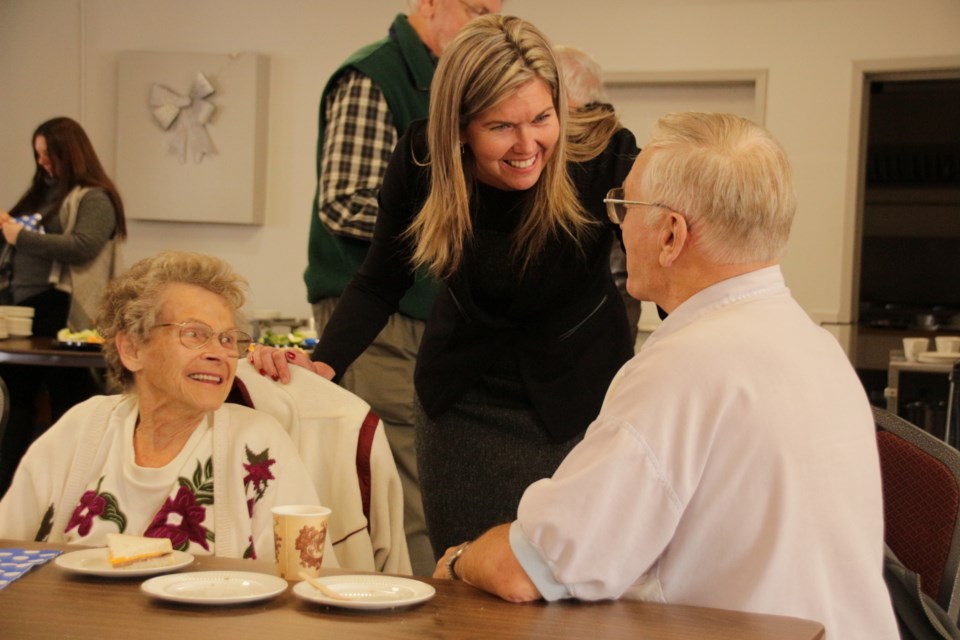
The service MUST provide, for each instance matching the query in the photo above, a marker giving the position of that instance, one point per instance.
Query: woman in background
(57, 253)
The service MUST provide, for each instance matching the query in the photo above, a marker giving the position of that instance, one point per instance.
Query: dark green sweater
(402, 68)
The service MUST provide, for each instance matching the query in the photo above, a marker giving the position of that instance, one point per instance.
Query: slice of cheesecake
(125, 550)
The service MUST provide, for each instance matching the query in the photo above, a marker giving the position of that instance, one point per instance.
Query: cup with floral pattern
(299, 537)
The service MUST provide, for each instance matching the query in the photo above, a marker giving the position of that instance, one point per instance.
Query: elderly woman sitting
(167, 458)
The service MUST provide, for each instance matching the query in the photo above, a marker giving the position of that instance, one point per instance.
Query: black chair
(921, 505)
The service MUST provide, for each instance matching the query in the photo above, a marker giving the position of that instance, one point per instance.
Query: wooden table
(48, 602)
(40, 351)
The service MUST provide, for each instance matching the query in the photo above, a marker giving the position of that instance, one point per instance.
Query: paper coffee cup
(948, 344)
(299, 536)
(913, 347)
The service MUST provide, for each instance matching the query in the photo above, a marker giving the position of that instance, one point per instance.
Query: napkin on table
(16, 562)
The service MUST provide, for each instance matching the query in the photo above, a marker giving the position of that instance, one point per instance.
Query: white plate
(96, 562)
(215, 587)
(367, 591)
(932, 357)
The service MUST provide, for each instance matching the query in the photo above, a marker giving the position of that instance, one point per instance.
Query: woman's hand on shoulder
(275, 363)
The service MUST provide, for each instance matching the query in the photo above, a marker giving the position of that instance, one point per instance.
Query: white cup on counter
(913, 347)
(948, 344)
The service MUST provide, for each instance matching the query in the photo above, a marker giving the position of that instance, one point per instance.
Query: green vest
(402, 69)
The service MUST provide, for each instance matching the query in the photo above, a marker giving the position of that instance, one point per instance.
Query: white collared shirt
(733, 465)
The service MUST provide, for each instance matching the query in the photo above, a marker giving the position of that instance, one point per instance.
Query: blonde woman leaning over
(527, 330)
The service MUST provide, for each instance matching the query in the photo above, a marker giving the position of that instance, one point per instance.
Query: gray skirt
(477, 458)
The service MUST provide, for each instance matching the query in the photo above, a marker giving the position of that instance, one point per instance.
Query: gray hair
(581, 76)
(729, 177)
(131, 302)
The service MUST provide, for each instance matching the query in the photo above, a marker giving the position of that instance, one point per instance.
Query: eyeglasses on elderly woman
(196, 335)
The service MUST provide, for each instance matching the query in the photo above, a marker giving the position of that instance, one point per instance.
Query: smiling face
(171, 377)
(40, 150)
(512, 141)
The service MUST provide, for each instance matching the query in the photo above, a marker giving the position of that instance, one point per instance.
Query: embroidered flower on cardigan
(258, 471)
(181, 520)
(256, 482)
(91, 505)
(94, 504)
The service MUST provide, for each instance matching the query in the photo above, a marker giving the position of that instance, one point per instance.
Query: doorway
(907, 264)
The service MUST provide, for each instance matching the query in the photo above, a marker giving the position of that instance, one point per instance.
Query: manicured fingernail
(275, 378)
(291, 355)
(262, 372)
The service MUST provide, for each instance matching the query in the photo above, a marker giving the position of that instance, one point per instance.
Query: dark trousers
(40, 395)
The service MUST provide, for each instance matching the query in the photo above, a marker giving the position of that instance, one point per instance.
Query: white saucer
(937, 357)
(215, 587)
(367, 591)
(96, 562)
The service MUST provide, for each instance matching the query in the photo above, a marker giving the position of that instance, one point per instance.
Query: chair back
(921, 505)
(344, 447)
(4, 408)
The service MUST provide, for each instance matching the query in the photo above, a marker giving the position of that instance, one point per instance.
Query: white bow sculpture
(189, 113)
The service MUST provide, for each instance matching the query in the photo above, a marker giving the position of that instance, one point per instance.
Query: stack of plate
(18, 320)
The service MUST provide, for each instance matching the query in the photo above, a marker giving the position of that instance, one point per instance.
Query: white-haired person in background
(593, 117)
(734, 461)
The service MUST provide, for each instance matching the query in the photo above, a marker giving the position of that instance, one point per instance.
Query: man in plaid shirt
(366, 106)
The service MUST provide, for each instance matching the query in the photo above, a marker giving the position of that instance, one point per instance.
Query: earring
(461, 147)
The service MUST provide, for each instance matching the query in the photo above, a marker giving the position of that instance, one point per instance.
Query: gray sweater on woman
(36, 252)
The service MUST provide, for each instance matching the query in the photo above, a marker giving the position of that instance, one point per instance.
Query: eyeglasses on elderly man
(617, 206)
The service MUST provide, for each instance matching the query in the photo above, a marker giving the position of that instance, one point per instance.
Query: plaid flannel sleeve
(359, 138)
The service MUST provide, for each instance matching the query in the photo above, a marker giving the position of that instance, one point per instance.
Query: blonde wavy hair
(491, 58)
(131, 302)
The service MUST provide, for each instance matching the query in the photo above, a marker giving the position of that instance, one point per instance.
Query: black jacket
(562, 321)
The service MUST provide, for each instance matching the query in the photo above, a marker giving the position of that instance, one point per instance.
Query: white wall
(59, 57)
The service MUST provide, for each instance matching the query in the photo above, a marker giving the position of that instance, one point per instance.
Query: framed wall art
(192, 136)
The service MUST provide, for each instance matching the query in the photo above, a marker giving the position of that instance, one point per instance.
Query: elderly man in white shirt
(734, 461)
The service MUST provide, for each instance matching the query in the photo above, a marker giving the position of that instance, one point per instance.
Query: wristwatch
(452, 562)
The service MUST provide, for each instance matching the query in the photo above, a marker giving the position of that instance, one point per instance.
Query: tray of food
(87, 340)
